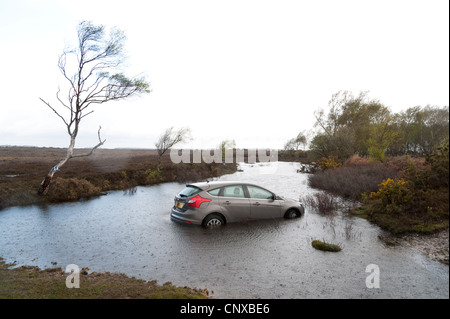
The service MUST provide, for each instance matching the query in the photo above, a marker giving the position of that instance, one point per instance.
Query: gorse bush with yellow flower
(330, 162)
(418, 201)
(392, 192)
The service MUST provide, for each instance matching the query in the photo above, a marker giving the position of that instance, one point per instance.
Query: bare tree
(169, 139)
(294, 143)
(88, 69)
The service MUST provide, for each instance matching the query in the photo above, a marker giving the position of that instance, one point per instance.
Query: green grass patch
(321, 245)
(28, 282)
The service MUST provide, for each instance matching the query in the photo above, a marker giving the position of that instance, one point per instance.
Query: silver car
(218, 203)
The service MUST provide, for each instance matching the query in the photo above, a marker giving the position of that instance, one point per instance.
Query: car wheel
(291, 213)
(213, 220)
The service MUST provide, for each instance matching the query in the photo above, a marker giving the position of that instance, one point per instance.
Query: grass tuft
(324, 203)
(321, 245)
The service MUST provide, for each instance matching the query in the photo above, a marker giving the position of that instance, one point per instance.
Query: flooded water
(133, 234)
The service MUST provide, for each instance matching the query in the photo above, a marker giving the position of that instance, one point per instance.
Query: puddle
(133, 234)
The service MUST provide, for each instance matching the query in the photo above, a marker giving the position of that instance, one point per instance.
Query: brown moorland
(23, 168)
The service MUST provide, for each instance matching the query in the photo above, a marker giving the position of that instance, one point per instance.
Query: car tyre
(213, 220)
(291, 213)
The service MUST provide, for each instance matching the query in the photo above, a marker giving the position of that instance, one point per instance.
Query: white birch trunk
(43, 187)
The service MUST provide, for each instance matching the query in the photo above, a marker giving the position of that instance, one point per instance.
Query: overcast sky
(252, 71)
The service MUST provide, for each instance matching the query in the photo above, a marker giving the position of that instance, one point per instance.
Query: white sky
(252, 71)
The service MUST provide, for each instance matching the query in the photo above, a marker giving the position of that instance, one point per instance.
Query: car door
(234, 204)
(262, 203)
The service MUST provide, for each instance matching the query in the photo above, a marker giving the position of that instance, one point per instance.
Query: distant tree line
(357, 124)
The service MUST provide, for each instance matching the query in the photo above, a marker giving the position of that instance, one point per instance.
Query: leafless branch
(60, 116)
(57, 96)
(95, 147)
(82, 116)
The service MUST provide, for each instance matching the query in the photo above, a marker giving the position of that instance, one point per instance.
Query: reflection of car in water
(218, 203)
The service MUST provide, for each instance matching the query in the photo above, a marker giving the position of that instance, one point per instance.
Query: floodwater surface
(133, 234)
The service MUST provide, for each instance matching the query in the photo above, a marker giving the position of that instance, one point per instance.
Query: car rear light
(197, 201)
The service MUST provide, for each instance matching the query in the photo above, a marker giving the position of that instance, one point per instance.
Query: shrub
(352, 180)
(324, 203)
(376, 153)
(152, 175)
(418, 202)
(355, 160)
(330, 162)
(437, 174)
(400, 164)
(66, 189)
(393, 193)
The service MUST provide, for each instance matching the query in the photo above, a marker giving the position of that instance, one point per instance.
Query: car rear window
(189, 191)
(214, 192)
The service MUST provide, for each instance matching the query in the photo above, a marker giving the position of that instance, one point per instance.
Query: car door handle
(227, 202)
(257, 204)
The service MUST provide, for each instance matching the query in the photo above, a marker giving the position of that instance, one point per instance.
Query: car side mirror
(274, 197)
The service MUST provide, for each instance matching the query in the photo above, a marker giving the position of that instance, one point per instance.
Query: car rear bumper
(184, 218)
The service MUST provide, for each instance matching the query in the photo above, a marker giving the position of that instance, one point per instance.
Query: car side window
(214, 192)
(259, 193)
(233, 191)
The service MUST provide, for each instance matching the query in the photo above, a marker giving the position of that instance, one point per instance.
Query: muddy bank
(434, 246)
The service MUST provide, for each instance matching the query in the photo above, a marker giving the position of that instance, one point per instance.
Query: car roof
(216, 184)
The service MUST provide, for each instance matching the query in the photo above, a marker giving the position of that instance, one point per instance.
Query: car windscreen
(189, 191)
